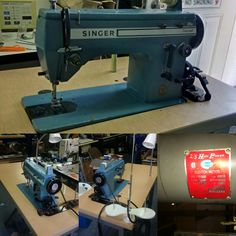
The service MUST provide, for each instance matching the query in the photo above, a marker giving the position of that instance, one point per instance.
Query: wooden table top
(142, 184)
(59, 224)
(218, 113)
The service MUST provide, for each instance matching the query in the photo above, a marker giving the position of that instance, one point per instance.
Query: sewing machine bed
(112, 101)
(40, 207)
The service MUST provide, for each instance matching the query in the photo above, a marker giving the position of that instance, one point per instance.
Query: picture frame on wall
(201, 3)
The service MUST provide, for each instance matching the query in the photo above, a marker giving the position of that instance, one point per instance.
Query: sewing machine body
(42, 184)
(154, 41)
(108, 180)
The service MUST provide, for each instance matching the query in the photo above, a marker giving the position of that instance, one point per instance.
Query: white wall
(229, 75)
(203, 55)
(212, 54)
(228, 10)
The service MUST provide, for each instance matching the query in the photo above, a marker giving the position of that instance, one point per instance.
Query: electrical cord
(128, 214)
(189, 90)
(67, 204)
(63, 196)
(100, 233)
(74, 212)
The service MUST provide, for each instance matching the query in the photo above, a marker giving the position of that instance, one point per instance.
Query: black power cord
(100, 233)
(189, 90)
(128, 213)
(69, 204)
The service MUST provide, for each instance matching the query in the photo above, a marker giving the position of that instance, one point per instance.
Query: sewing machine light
(54, 138)
(150, 141)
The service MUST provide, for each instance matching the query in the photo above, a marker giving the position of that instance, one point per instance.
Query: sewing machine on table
(157, 41)
(108, 180)
(41, 187)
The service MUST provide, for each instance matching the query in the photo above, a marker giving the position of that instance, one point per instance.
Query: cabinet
(230, 65)
(213, 55)
(6, 204)
(202, 57)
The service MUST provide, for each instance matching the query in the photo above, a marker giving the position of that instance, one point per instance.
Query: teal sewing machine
(108, 181)
(157, 42)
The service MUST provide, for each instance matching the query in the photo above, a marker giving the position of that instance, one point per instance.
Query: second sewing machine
(157, 42)
(108, 181)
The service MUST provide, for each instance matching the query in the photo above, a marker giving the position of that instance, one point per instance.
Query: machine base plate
(96, 198)
(88, 106)
(41, 207)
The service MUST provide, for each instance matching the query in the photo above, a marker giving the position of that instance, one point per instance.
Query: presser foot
(56, 103)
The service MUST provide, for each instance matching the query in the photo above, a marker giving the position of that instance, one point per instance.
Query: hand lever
(169, 48)
(66, 26)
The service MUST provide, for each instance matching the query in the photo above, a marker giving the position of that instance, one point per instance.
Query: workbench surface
(216, 114)
(141, 187)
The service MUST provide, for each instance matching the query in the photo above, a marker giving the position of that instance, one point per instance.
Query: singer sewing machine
(157, 42)
(41, 186)
(108, 180)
